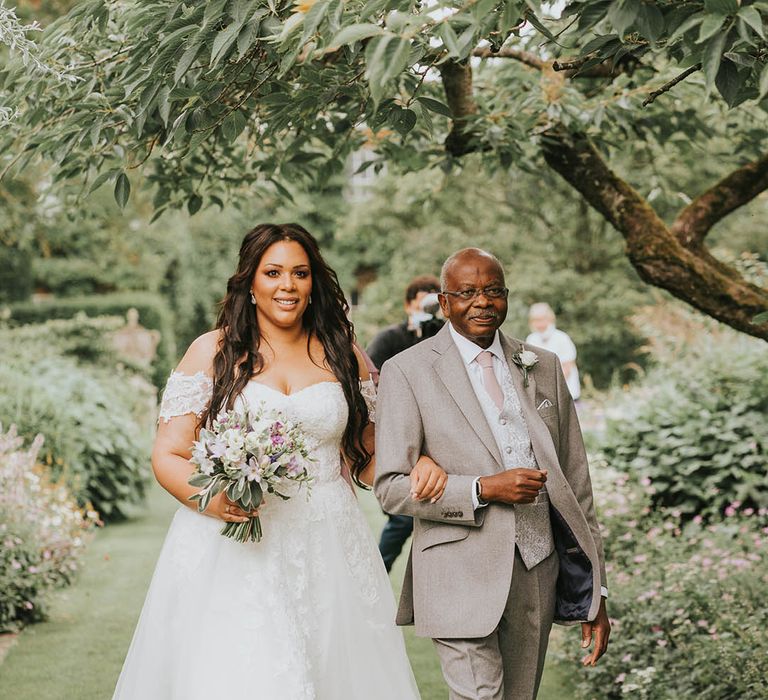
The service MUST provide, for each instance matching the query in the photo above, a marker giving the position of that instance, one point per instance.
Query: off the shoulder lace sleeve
(368, 390)
(185, 393)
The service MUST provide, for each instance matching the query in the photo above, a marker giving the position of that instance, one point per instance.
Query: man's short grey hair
(460, 254)
(541, 309)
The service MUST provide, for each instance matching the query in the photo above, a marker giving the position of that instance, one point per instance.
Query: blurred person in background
(421, 306)
(544, 334)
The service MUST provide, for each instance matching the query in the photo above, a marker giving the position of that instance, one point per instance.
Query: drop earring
(253, 298)
(310, 300)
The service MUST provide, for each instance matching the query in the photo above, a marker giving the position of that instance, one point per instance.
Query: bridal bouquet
(248, 455)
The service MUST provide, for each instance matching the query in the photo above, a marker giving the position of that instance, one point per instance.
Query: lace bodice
(320, 408)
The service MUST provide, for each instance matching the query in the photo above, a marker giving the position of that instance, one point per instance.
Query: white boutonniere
(526, 361)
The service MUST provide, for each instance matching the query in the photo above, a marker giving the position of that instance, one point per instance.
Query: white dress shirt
(469, 352)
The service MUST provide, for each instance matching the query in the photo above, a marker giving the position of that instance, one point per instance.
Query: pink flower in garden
(730, 511)
(15, 565)
(748, 511)
(661, 642)
(621, 678)
(626, 658)
(28, 605)
(698, 519)
(645, 481)
(702, 623)
(706, 562)
(640, 558)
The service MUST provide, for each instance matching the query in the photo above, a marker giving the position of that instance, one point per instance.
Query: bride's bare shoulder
(200, 354)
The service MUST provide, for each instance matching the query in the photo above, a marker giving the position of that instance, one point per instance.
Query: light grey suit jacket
(460, 567)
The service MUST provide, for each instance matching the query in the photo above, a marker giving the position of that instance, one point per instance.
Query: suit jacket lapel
(452, 372)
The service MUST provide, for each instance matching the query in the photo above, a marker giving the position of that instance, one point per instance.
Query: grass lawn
(78, 653)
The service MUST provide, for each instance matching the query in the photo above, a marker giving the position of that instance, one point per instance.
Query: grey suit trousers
(507, 664)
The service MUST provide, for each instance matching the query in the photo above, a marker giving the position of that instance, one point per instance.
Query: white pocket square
(546, 403)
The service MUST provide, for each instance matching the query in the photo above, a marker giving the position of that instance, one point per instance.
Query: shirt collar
(469, 350)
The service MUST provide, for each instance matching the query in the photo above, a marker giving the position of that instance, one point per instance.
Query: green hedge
(16, 277)
(92, 423)
(153, 313)
(697, 429)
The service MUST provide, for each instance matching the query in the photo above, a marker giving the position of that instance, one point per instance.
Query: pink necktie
(491, 384)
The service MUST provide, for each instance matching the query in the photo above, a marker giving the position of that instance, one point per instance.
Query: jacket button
(461, 513)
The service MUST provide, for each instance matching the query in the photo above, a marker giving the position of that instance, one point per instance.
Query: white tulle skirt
(305, 614)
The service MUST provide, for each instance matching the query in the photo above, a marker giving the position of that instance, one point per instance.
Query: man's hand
(600, 630)
(513, 486)
(428, 480)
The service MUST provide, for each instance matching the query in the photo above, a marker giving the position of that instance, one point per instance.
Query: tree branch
(657, 254)
(526, 57)
(668, 86)
(607, 69)
(733, 191)
(457, 82)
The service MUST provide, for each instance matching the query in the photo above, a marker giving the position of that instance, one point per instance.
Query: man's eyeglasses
(471, 294)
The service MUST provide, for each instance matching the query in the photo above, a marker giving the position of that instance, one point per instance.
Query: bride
(307, 613)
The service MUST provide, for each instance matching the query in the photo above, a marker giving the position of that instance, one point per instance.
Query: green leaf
(122, 190)
(224, 40)
(164, 104)
(186, 60)
(450, 40)
(436, 106)
(760, 318)
(650, 22)
(763, 84)
(722, 7)
(313, 18)
(728, 82)
(713, 53)
(536, 23)
(233, 125)
(753, 18)
(194, 203)
(355, 32)
(710, 26)
(687, 25)
(103, 177)
(404, 121)
(622, 14)
(201, 480)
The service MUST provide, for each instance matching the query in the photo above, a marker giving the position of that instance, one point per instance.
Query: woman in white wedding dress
(307, 613)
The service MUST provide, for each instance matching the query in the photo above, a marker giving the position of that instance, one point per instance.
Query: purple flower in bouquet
(249, 456)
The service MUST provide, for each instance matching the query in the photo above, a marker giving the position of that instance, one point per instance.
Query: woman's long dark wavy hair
(238, 359)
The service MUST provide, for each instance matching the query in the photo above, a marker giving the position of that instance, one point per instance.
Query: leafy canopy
(215, 96)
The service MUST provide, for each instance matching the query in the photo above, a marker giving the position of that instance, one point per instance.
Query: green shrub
(697, 429)
(16, 278)
(92, 426)
(153, 313)
(687, 602)
(81, 337)
(42, 530)
(69, 276)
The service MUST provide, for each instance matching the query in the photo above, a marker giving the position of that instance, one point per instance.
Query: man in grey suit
(512, 544)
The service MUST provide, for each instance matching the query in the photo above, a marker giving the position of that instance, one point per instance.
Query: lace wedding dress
(305, 614)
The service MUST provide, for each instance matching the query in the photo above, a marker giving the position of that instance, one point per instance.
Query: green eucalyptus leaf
(122, 190)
